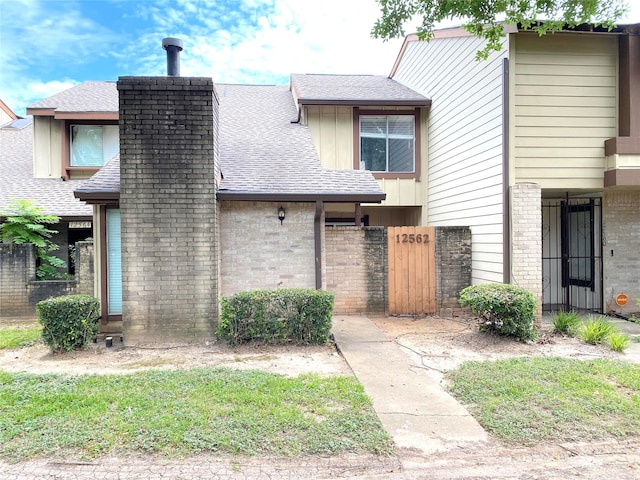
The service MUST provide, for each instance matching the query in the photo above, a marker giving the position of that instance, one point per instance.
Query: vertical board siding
(412, 270)
(565, 100)
(465, 141)
(331, 129)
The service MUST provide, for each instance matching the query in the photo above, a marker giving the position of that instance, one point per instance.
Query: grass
(19, 336)
(533, 400)
(182, 413)
(595, 330)
(566, 322)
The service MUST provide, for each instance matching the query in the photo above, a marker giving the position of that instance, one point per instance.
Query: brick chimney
(168, 209)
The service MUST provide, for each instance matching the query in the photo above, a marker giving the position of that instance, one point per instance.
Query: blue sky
(50, 45)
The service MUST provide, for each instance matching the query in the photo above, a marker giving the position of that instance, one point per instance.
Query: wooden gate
(412, 270)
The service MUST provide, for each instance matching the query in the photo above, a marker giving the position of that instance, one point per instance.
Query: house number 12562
(412, 238)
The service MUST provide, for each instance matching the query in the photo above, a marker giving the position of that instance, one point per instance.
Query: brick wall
(17, 269)
(526, 239)
(168, 209)
(356, 268)
(453, 267)
(20, 292)
(622, 237)
(257, 252)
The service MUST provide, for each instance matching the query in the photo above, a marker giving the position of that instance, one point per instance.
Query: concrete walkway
(413, 407)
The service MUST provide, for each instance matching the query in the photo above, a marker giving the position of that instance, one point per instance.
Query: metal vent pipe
(173, 46)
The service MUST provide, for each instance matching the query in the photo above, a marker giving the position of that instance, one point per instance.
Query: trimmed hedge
(503, 309)
(69, 322)
(286, 315)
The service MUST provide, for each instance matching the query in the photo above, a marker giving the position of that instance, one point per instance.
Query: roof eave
(97, 198)
(71, 115)
(368, 103)
(301, 197)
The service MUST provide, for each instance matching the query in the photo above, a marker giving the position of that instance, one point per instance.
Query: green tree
(485, 18)
(25, 223)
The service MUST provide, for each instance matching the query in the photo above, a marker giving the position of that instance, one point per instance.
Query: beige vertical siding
(331, 128)
(565, 98)
(47, 147)
(465, 141)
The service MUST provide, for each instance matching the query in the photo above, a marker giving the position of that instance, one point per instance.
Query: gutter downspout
(317, 231)
(506, 204)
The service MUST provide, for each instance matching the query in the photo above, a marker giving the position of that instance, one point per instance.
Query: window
(93, 145)
(387, 143)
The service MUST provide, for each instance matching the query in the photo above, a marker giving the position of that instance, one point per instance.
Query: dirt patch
(288, 360)
(442, 344)
(435, 343)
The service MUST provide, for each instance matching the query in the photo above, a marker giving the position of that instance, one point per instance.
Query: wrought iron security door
(572, 254)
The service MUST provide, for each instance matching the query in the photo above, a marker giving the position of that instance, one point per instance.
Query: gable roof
(357, 90)
(17, 181)
(264, 154)
(96, 100)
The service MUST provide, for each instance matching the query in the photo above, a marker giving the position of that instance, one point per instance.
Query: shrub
(25, 223)
(285, 315)
(595, 330)
(68, 322)
(566, 322)
(503, 309)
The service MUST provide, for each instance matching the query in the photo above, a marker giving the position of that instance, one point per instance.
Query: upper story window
(93, 145)
(388, 142)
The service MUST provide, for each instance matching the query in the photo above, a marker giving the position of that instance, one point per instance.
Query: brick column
(168, 209)
(453, 267)
(526, 240)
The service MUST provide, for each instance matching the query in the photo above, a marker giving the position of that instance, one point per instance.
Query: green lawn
(182, 413)
(16, 336)
(532, 400)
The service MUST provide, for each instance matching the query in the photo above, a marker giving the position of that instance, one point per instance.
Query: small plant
(566, 322)
(618, 341)
(504, 309)
(595, 330)
(25, 223)
(69, 322)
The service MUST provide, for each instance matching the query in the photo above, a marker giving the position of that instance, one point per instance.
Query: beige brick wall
(526, 239)
(621, 250)
(257, 252)
(356, 272)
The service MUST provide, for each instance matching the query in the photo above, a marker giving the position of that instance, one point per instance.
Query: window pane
(401, 125)
(86, 146)
(373, 154)
(375, 126)
(400, 155)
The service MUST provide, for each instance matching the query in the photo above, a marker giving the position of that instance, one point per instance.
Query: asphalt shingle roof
(16, 178)
(264, 150)
(366, 89)
(88, 97)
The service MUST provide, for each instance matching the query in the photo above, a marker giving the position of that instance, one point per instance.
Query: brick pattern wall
(622, 236)
(168, 209)
(453, 267)
(356, 269)
(84, 268)
(526, 239)
(17, 269)
(257, 252)
(20, 292)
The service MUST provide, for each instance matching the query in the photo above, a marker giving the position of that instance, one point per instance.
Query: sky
(47, 46)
